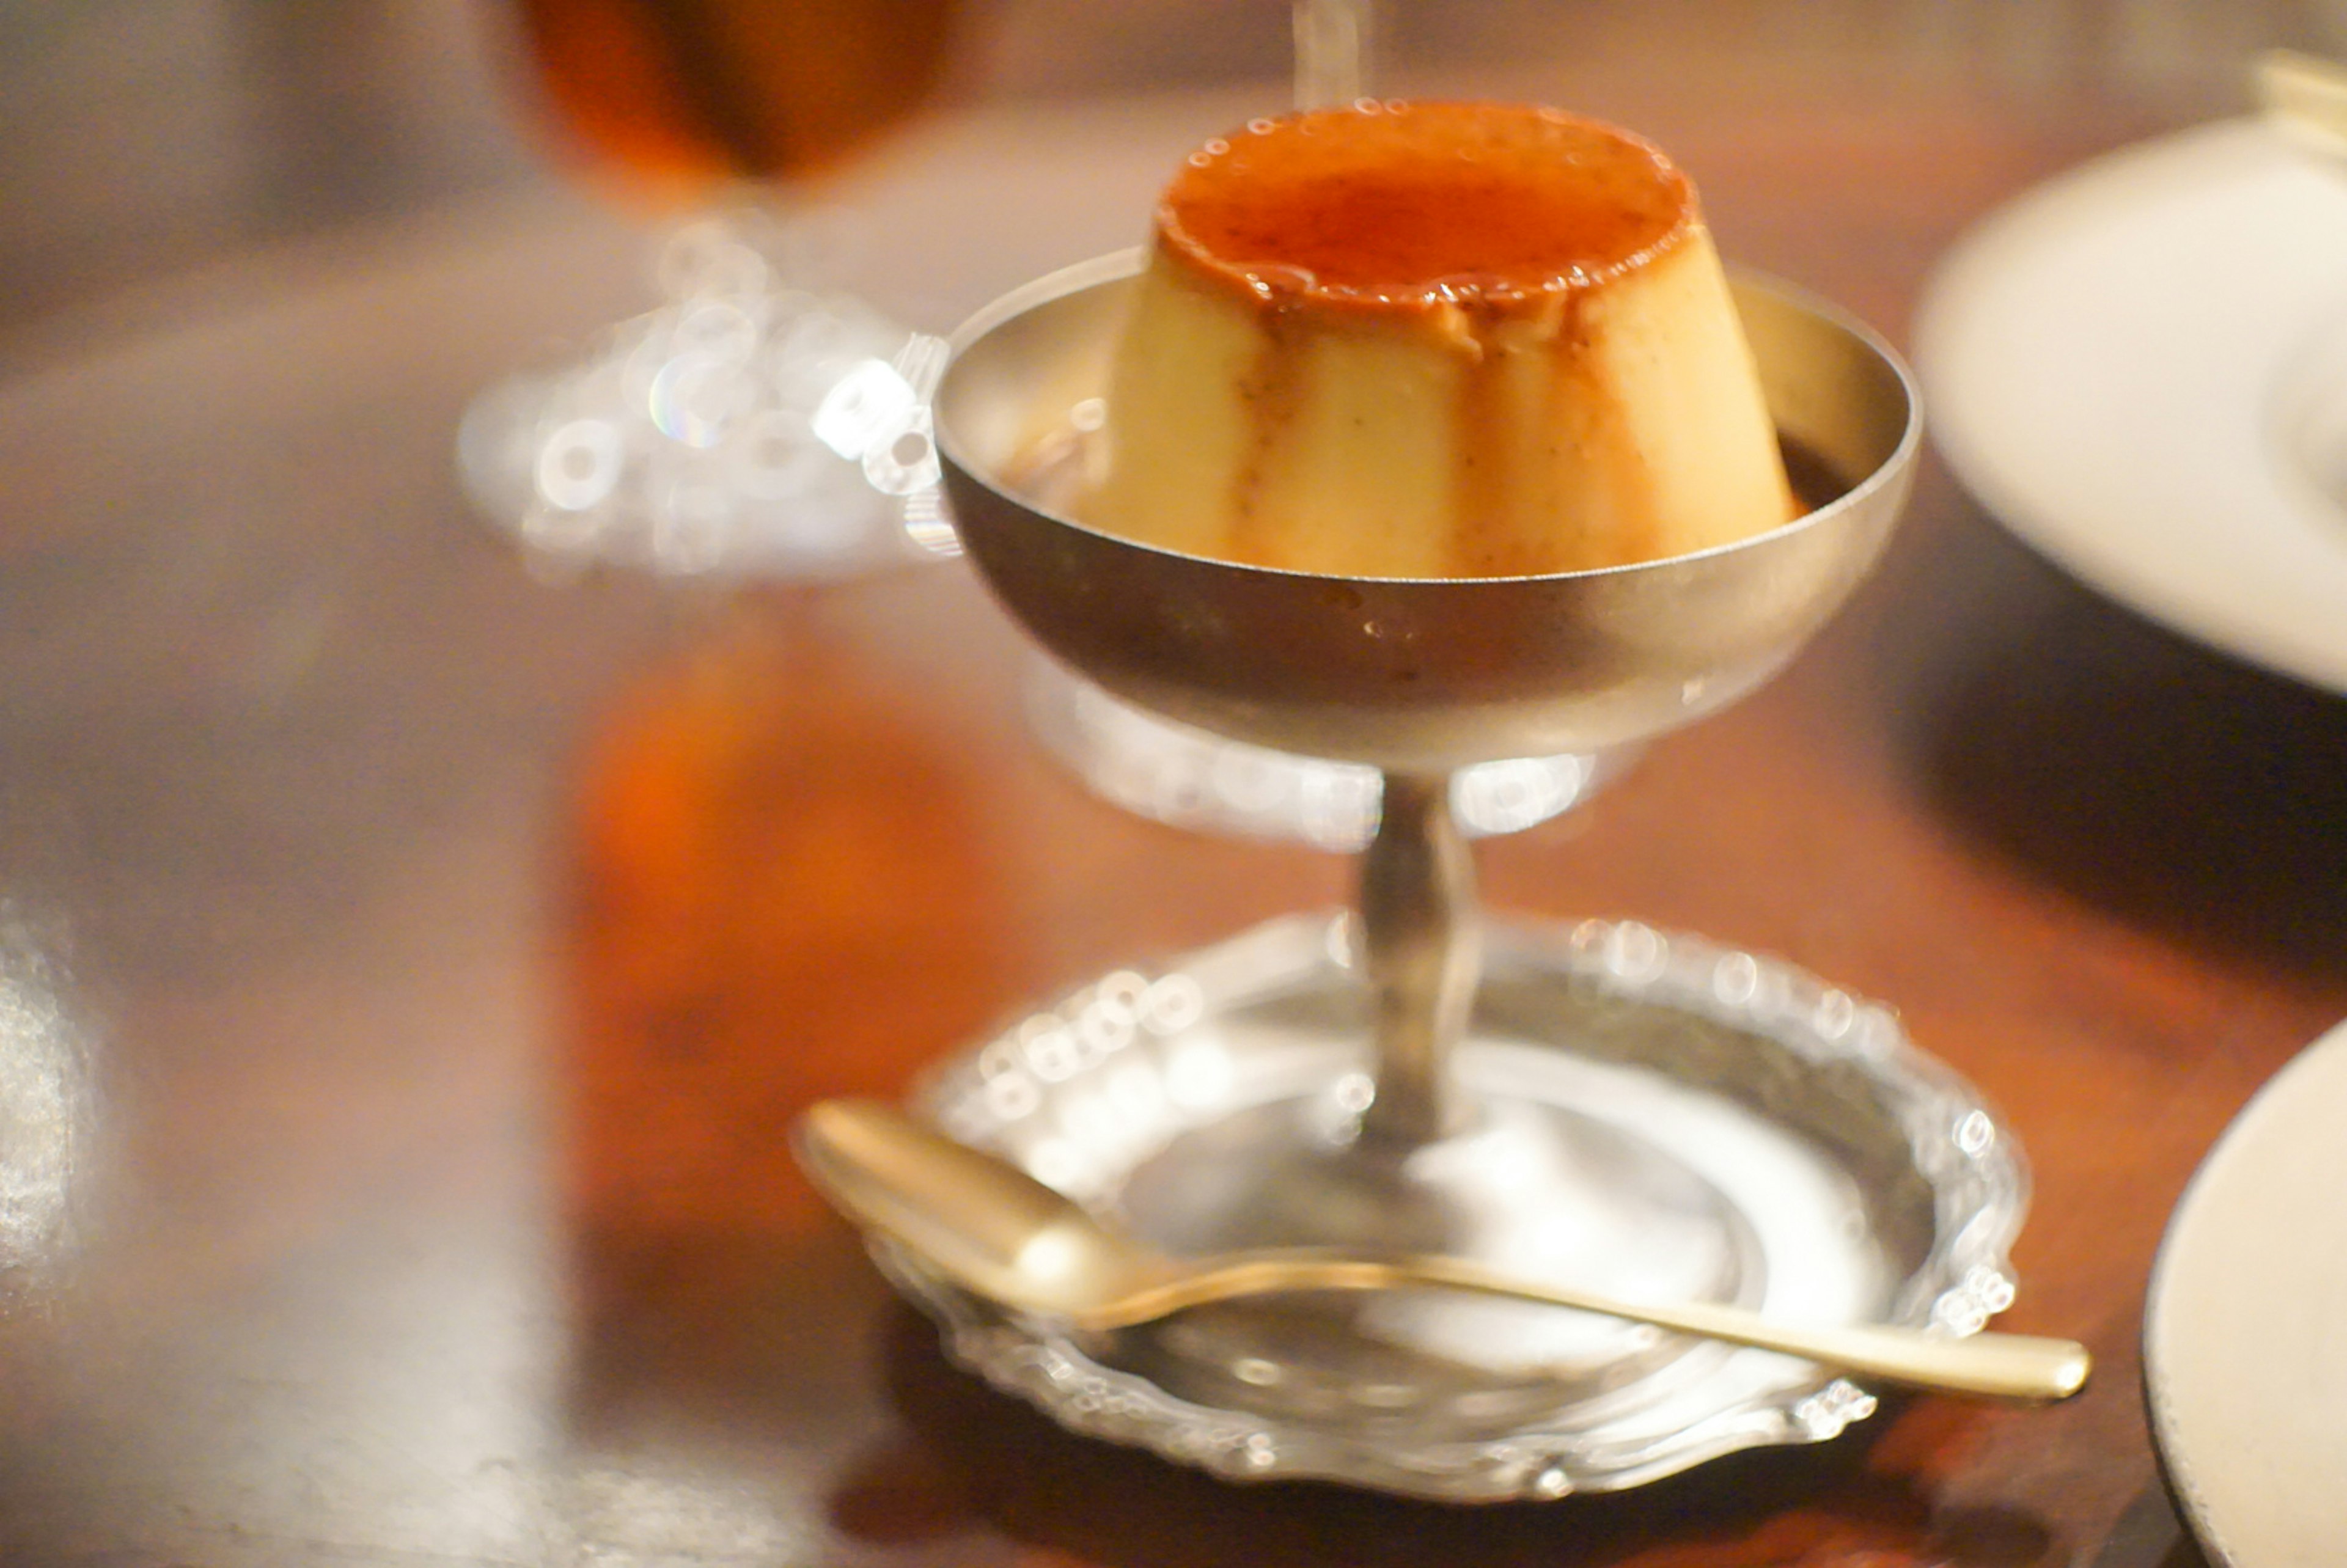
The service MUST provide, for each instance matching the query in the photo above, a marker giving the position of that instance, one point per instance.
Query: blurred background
(143, 139)
(454, 934)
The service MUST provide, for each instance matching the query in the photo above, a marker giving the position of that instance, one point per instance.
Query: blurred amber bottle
(674, 95)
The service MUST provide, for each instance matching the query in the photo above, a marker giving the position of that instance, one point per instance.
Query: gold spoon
(998, 1233)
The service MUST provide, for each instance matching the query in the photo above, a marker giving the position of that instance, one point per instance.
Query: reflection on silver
(754, 425)
(1848, 1177)
(44, 1109)
(1187, 777)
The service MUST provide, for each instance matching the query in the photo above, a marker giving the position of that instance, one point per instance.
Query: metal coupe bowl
(1417, 674)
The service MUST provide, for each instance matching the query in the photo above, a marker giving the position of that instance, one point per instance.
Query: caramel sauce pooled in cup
(1434, 340)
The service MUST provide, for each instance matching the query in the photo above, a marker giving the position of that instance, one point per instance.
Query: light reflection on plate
(2141, 369)
(2245, 1336)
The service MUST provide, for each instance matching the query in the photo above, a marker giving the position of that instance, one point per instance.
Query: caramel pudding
(1425, 340)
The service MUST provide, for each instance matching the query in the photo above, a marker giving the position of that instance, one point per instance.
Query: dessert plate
(1764, 1138)
(2245, 1344)
(2141, 369)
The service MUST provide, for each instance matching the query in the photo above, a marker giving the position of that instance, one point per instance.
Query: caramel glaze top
(1404, 207)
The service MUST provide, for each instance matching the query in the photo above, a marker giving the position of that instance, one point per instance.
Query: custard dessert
(1425, 340)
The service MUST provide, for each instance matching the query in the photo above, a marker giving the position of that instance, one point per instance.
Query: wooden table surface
(409, 966)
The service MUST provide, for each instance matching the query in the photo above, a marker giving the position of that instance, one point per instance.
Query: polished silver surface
(1188, 778)
(1420, 675)
(1744, 1133)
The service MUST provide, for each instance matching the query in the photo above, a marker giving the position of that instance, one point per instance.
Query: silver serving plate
(1760, 1137)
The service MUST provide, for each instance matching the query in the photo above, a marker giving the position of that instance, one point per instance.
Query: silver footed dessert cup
(1631, 1117)
(1417, 677)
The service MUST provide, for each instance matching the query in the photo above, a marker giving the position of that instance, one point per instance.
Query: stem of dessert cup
(1422, 945)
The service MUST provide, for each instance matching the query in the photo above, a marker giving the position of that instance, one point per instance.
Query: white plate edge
(2158, 1404)
(1974, 267)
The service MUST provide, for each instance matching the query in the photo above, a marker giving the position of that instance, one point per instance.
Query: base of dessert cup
(1655, 1115)
(1188, 778)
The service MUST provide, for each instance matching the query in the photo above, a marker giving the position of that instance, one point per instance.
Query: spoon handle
(2022, 1369)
